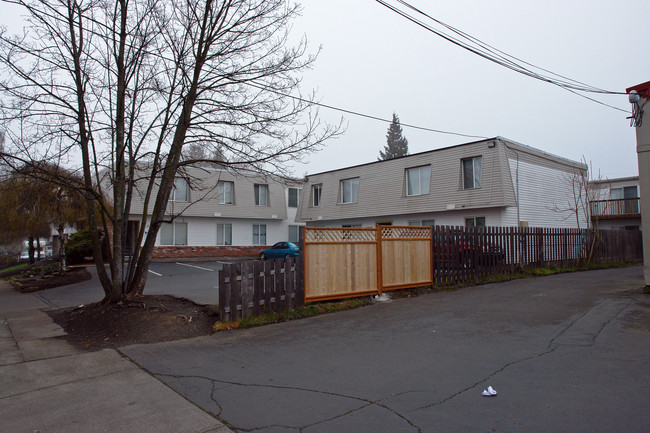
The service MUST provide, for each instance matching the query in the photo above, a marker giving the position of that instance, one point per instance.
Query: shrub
(7, 260)
(78, 247)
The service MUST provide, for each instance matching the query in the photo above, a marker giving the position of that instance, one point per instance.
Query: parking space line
(155, 273)
(194, 266)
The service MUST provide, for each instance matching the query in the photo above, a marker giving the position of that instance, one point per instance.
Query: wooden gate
(348, 262)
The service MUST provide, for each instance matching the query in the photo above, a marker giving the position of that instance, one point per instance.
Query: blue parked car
(280, 250)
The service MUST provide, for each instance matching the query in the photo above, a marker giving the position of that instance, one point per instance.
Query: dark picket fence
(256, 287)
(465, 255)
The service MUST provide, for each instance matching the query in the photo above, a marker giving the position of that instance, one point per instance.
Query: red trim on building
(642, 89)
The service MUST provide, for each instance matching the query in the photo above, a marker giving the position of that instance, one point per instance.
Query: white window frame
(257, 237)
(177, 187)
(474, 221)
(226, 192)
(619, 193)
(297, 193)
(423, 175)
(177, 228)
(477, 172)
(422, 223)
(261, 198)
(316, 194)
(224, 234)
(295, 236)
(349, 190)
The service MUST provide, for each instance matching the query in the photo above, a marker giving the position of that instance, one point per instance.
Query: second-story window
(349, 190)
(261, 195)
(418, 180)
(181, 190)
(315, 194)
(472, 168)
(225, 192)
(294, 196)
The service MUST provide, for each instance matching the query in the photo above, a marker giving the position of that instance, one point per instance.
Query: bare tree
(579, 205)
(119, 87)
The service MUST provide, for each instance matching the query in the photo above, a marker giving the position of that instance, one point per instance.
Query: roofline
(616, 179)
(544, 154)
(522, 147)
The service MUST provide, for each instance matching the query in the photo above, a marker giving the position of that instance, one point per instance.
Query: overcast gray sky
(375, 62)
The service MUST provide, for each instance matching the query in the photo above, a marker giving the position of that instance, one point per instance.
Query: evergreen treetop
(396, 144)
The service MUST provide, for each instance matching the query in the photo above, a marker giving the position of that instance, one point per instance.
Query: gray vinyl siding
(203, 200)
(382, 186)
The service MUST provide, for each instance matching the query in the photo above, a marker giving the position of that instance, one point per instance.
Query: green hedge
(78, 247)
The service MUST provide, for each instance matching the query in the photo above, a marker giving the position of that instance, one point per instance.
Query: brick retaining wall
(186, 252)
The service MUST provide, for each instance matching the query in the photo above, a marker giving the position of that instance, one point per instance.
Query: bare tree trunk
(30, 249)
(63, 266)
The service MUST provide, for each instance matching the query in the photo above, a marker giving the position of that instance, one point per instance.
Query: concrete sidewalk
(50, 386)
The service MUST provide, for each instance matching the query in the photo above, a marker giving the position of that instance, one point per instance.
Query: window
(349, 190)
(173, 234)
(261, 195)
(475, 222)
(624, 206)
(418, 180)
(224, 234)
(422, 223)
(224, 192)
(180, 191)
(259, 234)
(626, 192)
(315, 194)
(294, 234)
(351, 226)
(294, 197)
(472, 172)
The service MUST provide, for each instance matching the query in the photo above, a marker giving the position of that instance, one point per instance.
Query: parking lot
(194, 280)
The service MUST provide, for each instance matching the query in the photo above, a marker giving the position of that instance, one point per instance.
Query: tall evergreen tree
(396, 144)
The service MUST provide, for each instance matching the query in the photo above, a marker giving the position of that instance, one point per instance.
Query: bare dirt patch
(144, 320)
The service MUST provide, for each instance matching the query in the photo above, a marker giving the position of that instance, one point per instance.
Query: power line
(356, 113)
(488, 52)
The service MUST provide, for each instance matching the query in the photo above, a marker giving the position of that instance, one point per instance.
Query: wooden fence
(347, 262)
(338, 263)
(252, 288)
(465, 255)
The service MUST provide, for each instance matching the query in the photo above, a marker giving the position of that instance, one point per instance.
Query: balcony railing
(613, 209)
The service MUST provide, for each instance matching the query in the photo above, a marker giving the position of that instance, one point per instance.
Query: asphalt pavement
(564, 353)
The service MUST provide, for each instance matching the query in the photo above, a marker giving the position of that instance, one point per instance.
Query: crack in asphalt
(367, 402)
(213, 398)
(550, 348)
(552, 345)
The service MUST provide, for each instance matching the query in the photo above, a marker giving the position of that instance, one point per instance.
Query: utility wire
(480, 48)
(356, 113)
(505, 56)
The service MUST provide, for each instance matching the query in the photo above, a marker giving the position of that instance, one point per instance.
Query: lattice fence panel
(389, 232)
(339, 235)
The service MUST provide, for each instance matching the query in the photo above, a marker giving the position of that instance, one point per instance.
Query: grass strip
(308, 310)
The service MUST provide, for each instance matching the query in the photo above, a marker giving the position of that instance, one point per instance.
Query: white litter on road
(489, 392)
(383, 298)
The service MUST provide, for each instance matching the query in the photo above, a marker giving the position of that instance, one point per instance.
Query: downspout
(517, 180)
